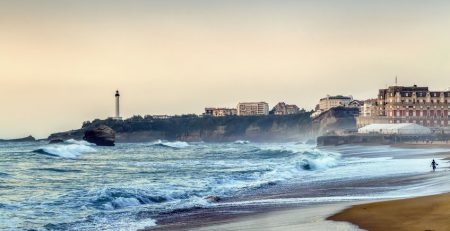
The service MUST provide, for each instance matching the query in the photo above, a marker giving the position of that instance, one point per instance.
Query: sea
(78, 186)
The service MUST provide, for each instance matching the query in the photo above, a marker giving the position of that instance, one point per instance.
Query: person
(433, 165)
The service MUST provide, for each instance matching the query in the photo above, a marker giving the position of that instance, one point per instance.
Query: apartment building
(220, 112)
(252, 109)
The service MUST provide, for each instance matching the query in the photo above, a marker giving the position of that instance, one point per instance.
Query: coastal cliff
(338, 118)
(193, 128)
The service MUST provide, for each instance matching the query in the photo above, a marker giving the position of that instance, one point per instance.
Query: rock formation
(56, 141)
(101, 136)
(338, 118)
(25, 139)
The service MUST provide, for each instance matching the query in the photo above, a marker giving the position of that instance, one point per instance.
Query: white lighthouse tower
(117, 116)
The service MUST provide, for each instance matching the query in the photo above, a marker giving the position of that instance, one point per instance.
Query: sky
(61, 61)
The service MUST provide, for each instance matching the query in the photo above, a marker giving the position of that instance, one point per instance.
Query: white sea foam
(175, 144)
(79, 142)
(66, 151)
(241, 142)
(122, 202)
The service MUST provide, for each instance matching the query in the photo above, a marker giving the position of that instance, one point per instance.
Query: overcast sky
(61, 61)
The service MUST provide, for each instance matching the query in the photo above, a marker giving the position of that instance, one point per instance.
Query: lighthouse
(117, 116)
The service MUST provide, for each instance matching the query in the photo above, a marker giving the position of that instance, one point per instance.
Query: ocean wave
(2, 174)
(65, 151)
(318, 160)
(175, 144)
(79, 142)
(241, 142)
(117, 198)
(56, 170)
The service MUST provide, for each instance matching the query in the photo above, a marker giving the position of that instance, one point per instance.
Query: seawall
(378, 139)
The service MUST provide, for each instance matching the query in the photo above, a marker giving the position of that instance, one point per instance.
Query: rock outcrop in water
(101, 136)
(25, 139)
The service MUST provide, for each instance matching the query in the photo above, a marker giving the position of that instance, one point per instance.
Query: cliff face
(208, 129)
(339, 118)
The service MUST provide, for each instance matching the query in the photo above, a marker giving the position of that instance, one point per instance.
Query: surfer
(434, 164)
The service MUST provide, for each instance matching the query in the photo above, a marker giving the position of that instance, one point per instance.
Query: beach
(411, 212)
(421, 213)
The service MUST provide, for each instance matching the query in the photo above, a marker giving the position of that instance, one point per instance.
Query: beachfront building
(329, 102)
(397, 129)
(368, 108)
(285, 109)
(400, 104)
(220, 112)
(253, 109)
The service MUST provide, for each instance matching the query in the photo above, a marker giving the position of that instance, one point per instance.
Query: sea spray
(79, 142)
(65, 151)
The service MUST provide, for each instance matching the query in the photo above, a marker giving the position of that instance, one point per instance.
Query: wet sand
(421, 213)
(289, 220)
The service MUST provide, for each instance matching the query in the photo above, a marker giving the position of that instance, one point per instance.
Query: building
(117, 115)
(356, 104)
(285, 109)
(329, 102)
(399, 104)
(220, 112)
(398, 129)
(368, 108)
(334, 101)
(161, 117)
(252, 109)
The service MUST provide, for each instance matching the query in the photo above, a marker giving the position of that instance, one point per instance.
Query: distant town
(393, 105)
(396, 114)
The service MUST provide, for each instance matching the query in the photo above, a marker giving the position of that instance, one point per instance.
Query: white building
(252, 109)
(329, 102)
(402, 129)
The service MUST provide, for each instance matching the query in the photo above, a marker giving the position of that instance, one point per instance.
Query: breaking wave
(175, 144)
(318, 160)
(241, 142)
(117, 198)
(79, 142)
(65, 151)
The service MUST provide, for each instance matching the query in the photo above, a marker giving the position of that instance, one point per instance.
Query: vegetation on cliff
(178, 127)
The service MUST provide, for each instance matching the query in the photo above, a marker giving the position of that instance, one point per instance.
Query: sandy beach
(422, 213)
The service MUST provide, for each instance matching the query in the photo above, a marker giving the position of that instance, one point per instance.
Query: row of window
(423, 122)
(398, 100)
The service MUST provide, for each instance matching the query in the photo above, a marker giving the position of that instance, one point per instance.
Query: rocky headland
(192, 128)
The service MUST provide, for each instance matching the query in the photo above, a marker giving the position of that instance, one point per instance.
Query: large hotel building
(399, 104)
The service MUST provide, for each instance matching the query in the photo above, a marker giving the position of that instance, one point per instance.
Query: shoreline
(320, 216)
(418, 213)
